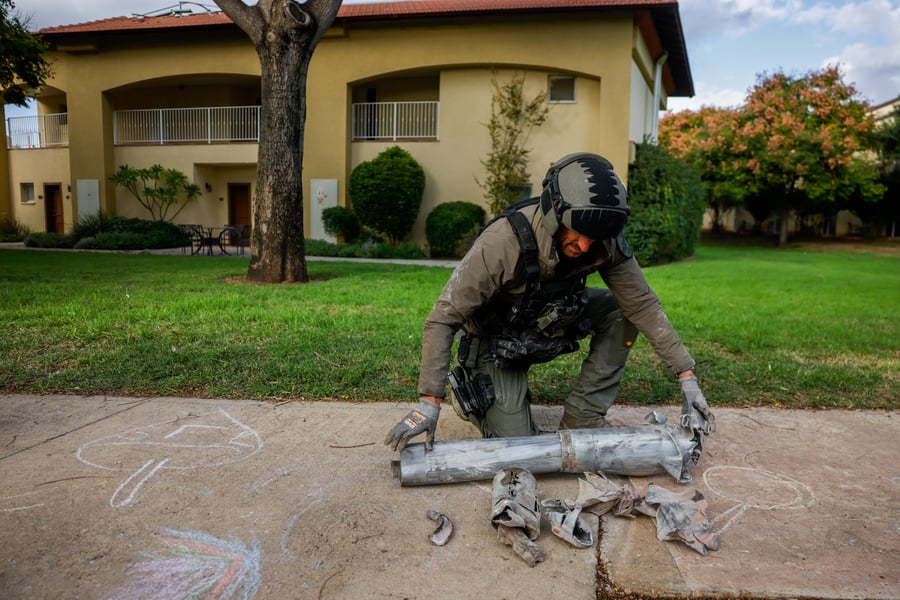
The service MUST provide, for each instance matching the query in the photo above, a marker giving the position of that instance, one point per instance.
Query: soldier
(518, 298)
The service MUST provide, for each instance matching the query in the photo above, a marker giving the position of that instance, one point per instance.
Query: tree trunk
(783, 216)
(277, 251)
(284, 33)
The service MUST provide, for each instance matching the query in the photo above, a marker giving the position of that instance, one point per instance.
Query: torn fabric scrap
(680, 516)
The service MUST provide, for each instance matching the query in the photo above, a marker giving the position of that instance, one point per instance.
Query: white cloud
(875, 71)
(735, 40)
(707, 95)
(713, 17)
(872, 17)
(873, 64)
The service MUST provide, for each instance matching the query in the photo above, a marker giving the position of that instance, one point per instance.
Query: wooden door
(239, 207)
(53, 208)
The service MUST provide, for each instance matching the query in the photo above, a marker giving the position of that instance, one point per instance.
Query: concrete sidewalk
(107, 497)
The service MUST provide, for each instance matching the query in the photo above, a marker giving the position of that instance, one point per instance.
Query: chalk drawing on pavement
(312, 483)
(19, 505)
(755, 488)
(216, 439)
(191, 564)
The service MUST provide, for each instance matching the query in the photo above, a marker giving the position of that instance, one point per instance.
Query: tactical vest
(545, 321)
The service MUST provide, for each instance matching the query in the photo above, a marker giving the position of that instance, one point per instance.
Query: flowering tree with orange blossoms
(796, 142)
(706, 139)
(792, 147)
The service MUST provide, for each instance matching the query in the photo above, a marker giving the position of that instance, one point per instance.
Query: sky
(730, 42)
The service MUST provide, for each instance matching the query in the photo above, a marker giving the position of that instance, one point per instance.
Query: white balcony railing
(395, 120)
(370, 121)
(187, 125)
(38, 131)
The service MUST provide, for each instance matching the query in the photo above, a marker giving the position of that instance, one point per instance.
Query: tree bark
(783, 215)
(284, 33)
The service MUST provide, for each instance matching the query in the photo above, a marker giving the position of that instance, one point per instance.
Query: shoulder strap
(528, 250)
(527, 247)
(509, 209)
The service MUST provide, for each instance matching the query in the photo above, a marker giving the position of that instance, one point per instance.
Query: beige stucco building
(183, 92)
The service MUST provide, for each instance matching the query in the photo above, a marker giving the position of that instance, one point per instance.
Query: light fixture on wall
(208, 187)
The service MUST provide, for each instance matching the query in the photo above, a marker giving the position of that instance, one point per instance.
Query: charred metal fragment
(441, 535)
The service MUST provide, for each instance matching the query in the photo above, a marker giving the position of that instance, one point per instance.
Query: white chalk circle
(755, 488)
(758, 488)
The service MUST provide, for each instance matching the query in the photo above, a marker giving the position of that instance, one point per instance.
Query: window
(560, 88)
(27, 193)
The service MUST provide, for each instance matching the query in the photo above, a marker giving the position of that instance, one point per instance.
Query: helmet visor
(596, 223)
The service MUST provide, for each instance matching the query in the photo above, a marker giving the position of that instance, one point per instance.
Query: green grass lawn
(788, 327)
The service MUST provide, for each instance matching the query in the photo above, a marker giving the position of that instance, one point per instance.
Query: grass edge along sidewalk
(769, 327)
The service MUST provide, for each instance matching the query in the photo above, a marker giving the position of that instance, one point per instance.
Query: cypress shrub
(667, 202)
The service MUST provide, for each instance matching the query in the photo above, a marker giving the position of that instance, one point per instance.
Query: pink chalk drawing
(209, 441)
(190, 564)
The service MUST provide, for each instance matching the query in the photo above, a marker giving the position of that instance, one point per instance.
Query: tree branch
(323, 12)
(248, 18)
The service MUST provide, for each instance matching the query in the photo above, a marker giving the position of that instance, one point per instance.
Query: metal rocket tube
(637, 451)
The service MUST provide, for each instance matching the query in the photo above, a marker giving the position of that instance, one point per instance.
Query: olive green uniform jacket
(493, 271)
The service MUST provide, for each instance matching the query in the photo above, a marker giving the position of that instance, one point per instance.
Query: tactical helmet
(582, 192)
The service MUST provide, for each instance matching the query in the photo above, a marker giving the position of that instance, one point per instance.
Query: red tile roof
(429, 7)
(132, 23)
(407, 8)
(665, 17)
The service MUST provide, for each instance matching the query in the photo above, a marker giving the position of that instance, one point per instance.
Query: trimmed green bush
(122, 240)
(387, 193)
(154, 234)
(363, 249)
(451, 227)
(667, 204)
(42, 239)
(320, 248)
(341, 222)
(112, 233)
(86, 243)
(408, 250)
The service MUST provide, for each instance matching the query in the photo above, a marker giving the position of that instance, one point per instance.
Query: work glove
(423, 417)
(692, 398)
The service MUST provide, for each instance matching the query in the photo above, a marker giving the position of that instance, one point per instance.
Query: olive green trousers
(594, 389)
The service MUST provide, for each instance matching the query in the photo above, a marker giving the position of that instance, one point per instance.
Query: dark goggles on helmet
(595, 223)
